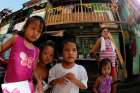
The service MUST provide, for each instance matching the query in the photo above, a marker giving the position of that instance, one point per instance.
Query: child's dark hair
(104, 62)
(47, 43)
(68, 40)
(34, 18)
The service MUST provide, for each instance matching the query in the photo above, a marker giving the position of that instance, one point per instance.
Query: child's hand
(39, 85)
(73, 79)
(70, 76)
(63, 81)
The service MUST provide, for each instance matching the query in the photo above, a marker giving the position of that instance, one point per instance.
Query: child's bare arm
(73, 79)
(39, 86)
(37, 81)
(95, 47)
(96, 85)
(95, 90)
(7, 44)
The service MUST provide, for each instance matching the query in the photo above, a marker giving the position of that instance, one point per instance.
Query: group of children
(65, 77)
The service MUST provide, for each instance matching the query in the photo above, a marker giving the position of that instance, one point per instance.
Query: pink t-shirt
(22, 62)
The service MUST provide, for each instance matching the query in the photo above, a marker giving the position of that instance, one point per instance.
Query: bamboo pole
(117, 50)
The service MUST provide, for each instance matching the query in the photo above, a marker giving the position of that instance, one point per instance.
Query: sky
(13, 5)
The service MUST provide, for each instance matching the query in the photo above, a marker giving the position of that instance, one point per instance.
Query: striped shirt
(108, 53)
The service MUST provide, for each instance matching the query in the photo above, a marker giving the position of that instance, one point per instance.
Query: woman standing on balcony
(107, 50)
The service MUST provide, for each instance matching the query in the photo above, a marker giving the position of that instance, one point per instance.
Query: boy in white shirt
(68, 77)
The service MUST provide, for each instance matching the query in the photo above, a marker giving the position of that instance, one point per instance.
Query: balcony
(80, 13)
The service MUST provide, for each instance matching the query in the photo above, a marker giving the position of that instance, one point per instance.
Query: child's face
(69, 52)
(47, 55)
(105, 33)
(33, 32)
(106, 69)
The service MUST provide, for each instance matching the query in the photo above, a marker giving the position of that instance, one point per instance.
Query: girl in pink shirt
(23, 53)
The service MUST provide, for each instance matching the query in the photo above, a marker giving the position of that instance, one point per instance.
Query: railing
(79, 13)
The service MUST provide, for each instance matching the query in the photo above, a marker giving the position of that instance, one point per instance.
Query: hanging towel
(103, 46)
